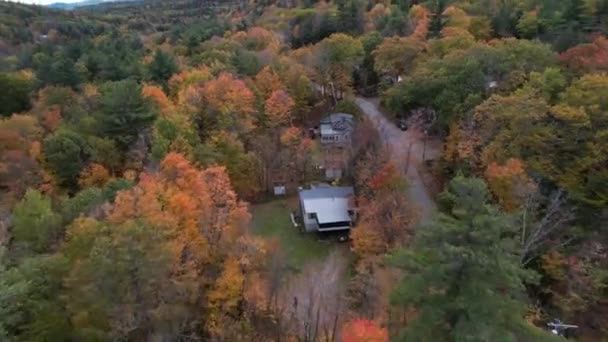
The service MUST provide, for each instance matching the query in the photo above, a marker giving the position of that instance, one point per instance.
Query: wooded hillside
(138, 138)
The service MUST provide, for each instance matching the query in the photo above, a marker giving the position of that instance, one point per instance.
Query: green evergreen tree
(82, 202)
(35, 225)
(161, 68)
(45, 317)
(505, 20)
(577, 13)
(403, 5)
(14, 93)
(56, 70)
(66, 153)
(571, 25)
(600, 16)
(463, 276)
(64, 72)
(437, 19)
(13, 291)
(124, 112)
(350, 16)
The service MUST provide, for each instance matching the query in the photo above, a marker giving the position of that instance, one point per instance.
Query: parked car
(402, 124)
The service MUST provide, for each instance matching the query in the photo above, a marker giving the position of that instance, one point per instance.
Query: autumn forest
(153, 156)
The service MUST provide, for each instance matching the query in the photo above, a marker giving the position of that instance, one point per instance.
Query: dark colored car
(402, 124)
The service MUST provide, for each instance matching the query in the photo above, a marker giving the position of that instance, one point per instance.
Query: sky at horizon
(43, 2)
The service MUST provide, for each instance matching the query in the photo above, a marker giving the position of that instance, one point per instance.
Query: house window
(312, 216)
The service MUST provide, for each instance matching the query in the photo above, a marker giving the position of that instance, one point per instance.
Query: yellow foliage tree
(225, 296)
(367, 241)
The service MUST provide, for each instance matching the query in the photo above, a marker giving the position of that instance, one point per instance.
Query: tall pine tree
(576, 13)
(125, 112)
(350, 16)
(463, 277)
(161, 68)
(437, 19)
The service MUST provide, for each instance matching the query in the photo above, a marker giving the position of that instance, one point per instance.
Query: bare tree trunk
(335, 327)
(553, 220)
(314, 336)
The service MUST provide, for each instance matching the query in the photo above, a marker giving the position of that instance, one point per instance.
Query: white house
(327, 208)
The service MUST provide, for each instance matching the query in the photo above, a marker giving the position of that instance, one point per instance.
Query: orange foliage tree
(94, 175)
(420, 17)
(206, 225)
(509, 183)
(385, 213)
(363, 330)
(267, 81)
(199, 207)
(158, 97)
(229, 103)
(279, 107)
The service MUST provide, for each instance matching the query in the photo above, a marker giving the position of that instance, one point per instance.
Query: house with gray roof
(327, 208)
(336, 129)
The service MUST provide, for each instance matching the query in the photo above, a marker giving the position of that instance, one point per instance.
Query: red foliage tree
(583, 58)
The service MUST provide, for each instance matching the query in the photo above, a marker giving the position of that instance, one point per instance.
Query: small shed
(279, 190)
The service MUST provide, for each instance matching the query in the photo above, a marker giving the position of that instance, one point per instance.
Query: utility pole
(407, 160)
(424, 145)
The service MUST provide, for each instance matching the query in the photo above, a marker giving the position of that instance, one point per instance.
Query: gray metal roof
(330, 204)
(336, 123)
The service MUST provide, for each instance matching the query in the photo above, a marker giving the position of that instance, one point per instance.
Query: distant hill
(74, 5)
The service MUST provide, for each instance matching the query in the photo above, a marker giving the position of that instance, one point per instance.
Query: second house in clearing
(335, 132)
(336, 129)
(327, 208)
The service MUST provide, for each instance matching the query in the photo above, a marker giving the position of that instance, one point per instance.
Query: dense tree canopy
(131, 133)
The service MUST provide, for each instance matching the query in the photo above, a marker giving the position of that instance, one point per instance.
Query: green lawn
(271, 220)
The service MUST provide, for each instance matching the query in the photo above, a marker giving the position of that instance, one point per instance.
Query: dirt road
(402, 144)
(313, 299)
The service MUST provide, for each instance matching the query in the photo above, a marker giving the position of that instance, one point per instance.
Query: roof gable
(330, 204)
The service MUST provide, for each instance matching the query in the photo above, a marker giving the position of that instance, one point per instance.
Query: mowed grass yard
(272, 220)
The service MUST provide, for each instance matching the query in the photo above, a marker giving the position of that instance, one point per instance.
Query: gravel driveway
(400, 142)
